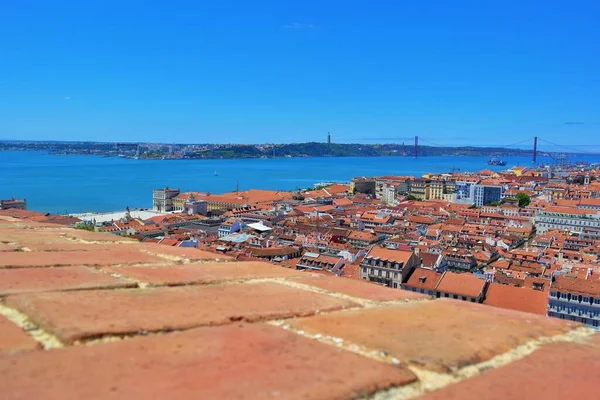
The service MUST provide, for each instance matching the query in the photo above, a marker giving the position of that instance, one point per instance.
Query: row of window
(552, 222)
(589, 322)
(438, 294)
(378, 272)
(575, 298)
(575, 310)
(381, 263)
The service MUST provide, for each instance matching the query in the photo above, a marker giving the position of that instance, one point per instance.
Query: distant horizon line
(409, 144)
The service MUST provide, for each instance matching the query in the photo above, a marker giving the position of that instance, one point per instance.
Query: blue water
(74, 184)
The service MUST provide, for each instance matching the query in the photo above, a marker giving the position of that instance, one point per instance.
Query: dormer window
(422, 279)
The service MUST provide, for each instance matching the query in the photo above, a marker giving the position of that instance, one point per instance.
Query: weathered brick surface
(556, 371)
(21, 280)
(357, 288)
(68, 246)
(202, 273)
(7, 247)
(184, 253)
(82, 314)
(14, 339)
(232, 362)
(48, 259)
(236, 360)
(83, 235)
(440, 335)
(24, 237)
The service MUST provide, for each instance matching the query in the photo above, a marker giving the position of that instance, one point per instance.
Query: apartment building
(387, 266)
(568, 219)
(575, 299)
(487, 193)
(320, 262)
(362, 185)
(420, 188)
(441, 190)
(464, 192)
(465, 287)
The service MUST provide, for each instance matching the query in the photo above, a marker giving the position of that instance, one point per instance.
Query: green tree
(84, 226)
(410, 197)
(524, 199)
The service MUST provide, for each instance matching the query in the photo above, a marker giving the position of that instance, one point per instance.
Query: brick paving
(148, 321)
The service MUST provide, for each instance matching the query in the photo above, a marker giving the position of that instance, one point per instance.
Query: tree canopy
(524, 199)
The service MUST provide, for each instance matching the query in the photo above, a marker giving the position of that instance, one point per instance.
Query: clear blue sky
(452, 72)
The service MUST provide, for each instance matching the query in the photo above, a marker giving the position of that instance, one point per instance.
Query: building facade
(387, 267)
(572, 220)
(162, 199)
(575, 299)
(488, 194)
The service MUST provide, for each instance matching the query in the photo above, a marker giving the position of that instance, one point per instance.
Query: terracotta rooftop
(517, 298)
(423, 278)
(576, 286)
(384, 254)
(461, 284)
(87, 315)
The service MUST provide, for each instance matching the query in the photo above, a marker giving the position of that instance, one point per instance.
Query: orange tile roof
(461, 284)
(399, 256)
(516, 298)
(423, 278)
(576, 285)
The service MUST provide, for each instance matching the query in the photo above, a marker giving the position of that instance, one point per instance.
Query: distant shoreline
(158, 151)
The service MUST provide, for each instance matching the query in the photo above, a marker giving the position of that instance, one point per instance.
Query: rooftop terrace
(94, 316)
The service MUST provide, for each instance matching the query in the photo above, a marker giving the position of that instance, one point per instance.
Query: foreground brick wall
(95, 316)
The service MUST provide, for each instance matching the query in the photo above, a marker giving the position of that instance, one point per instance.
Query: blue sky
(452, 72)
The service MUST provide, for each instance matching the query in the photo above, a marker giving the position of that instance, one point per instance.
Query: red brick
(75, 246)
(7, 247)
(83, 314)
(49, 259)
(14, 339)
(184, 253)
(21, 280)
(232, 362)
(202, 273)
(95, 236)
(440, 335)
(23, 237)
(356, 288)
(556, 371)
